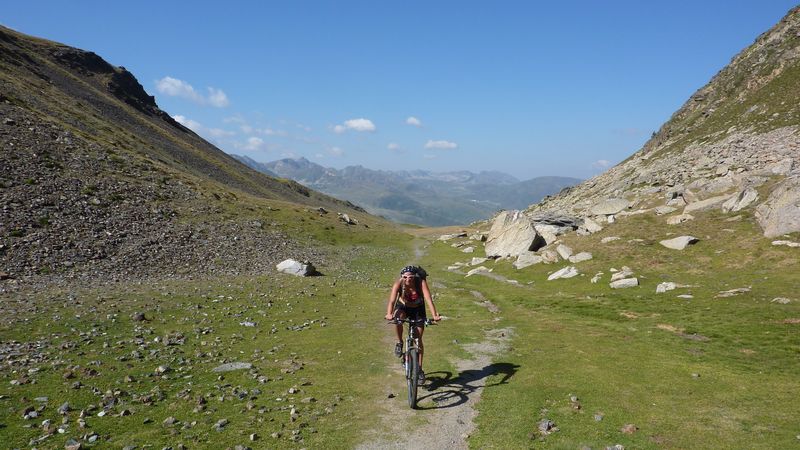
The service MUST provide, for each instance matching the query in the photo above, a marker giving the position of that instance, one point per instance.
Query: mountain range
(419, 196)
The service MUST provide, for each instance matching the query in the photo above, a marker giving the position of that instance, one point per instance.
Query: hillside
(737, 136)
(420, 197)
(97, 182)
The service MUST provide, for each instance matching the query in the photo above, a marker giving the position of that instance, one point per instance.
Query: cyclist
(410, 294)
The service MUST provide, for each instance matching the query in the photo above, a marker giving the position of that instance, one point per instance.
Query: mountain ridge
(418, 196)
(97, 182)
(739, 131)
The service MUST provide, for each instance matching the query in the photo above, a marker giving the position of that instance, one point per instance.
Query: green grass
(704, 372)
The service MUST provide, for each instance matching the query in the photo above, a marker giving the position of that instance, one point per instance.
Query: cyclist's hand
(389, 316)
(437, 318)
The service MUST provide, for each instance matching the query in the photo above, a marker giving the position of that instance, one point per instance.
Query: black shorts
(412, 312)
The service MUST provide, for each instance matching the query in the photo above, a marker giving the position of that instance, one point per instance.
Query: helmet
(411, 269)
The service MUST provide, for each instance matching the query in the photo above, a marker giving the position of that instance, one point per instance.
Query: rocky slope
(98, 183)
(421, 197)
(734, 144)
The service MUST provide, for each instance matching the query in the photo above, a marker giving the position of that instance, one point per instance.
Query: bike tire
(412, 377)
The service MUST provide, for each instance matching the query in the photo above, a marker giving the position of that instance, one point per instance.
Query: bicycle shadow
(447, 391)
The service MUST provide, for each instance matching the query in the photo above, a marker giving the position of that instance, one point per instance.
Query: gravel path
(445, 403)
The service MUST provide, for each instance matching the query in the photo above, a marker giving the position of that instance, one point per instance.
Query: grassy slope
(631, 354)
(93, 329)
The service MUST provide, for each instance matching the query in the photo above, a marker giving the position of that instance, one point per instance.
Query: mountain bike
(410, 356)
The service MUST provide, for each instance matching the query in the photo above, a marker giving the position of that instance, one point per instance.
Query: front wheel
(412, 374)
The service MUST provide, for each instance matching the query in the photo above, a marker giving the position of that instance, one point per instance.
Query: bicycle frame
(410, 358)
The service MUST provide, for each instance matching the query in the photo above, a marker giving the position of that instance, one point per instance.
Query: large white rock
(665, 286)
(580, 257)
(591, 226)
(740, 201)
(527, 259)
(780, 214)
(563, 251)
(512, 233)
(679, 243)
(566, 272)
(549, 256)
(625, 272)
(610, 206)
(296, 268)
(708, 203)
(624, 283)
(478, 270)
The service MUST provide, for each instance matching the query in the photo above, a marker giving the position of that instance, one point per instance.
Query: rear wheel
(412, 372)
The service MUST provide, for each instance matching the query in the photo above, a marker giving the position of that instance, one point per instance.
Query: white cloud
(253, 144)
(336, 151)
(393, 146)
(220, 133)
(174, 87)
(217, 98)
(441, 145)
(414, 121)
(189, 123)
(271, 132)
(430, 156)
(601, 164)
(355, 125)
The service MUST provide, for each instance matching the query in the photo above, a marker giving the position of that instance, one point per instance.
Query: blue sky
(528, 88)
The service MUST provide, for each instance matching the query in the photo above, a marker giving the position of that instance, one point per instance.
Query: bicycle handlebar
(425, 322)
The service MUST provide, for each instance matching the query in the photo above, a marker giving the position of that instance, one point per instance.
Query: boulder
(624, 283)
(477, 261)
(447, 237)
(549, 256)
(580, 257)
(787, 243)
(661, 210)
(478, 270)
(680, 218)
(782, 167)
(566, 272)
(666, 286)
(780, 213)
(232, 366)
(740, 201)
(610, 206)
(563, 251)
(680, 242)
(708, 203)
(512, 233)
(527, 259)
(626, 272)
(296, 268)
(591, 226)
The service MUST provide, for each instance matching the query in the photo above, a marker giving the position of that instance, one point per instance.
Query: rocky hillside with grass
(733, 146)
(98, 183)
(419, 196)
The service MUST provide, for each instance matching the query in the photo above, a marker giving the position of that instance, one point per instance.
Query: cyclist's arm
(429, 300)
(392, 299)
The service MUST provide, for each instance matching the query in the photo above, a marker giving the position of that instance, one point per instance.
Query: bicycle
(410, 356)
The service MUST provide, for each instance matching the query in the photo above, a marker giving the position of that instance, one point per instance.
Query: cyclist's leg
(400, 314)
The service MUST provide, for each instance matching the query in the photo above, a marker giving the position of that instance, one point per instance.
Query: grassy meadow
(700, 372)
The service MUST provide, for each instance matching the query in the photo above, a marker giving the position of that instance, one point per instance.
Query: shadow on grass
(447, 391)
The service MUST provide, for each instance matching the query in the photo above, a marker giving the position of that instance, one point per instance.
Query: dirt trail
(446, 401)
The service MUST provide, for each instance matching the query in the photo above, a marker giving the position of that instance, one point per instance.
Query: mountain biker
(410, 294)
